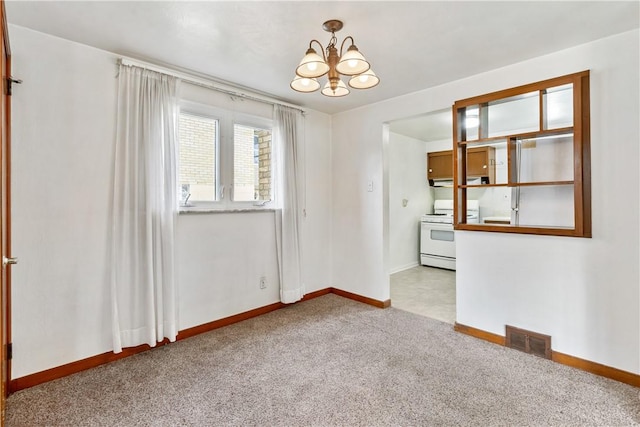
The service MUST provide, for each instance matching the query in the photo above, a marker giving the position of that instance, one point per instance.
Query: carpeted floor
(329, 361)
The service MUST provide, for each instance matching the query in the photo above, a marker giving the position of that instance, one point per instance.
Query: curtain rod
(206, 82)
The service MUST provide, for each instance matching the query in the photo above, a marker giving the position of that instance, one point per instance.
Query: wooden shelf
(525, 156)
(484, 140)
(544, 133)
(540, 183)
(521, 184)
(553, 231)
(524, 135)
(483, 185)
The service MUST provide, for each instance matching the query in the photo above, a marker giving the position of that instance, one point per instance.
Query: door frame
(5, 212)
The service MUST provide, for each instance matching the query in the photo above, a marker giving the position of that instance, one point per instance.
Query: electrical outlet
(263, 282)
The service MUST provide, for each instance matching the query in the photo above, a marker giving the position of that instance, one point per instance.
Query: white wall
(583, 292)
(407, 181)
(63, 137)
(63, 128)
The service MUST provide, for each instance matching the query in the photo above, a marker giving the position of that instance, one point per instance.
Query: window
(198, 142)
(251, 163)
(224, 158)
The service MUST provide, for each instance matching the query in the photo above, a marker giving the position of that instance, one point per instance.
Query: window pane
(558, 107)
(471, 122)
(543, 159)
(518, 114)
(198, 139)
(544, 206)
(251, 164)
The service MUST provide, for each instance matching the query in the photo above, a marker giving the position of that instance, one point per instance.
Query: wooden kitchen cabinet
(440, 165)
(481, 163)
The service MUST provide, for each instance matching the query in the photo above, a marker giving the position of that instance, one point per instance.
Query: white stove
(437, 237)
(443, 212)
(447, 218)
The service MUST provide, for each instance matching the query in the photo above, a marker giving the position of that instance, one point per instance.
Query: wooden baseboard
(77, 366)
(597, 368)
(100, 359)
(478, 333)
(565, 359)
(200, 329)
(316, 294)
(360, 298)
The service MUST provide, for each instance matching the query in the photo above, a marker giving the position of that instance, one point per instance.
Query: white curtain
(288, 171)
(143, 288)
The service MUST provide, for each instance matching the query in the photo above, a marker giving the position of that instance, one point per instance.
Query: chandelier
(351, 64)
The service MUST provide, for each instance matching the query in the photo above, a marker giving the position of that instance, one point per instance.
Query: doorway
(5, 278)
(427, 291)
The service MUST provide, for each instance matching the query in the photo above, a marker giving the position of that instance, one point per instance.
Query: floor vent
(529, 342)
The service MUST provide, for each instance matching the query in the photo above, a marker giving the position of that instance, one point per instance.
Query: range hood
(441, 183)
(448, 183)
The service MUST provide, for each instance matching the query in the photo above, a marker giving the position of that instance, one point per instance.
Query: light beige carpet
(329, 361)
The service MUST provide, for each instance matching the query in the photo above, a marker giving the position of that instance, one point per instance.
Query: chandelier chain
(332, 42)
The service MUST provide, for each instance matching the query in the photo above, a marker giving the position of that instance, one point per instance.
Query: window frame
(256, 123)
(224, 158)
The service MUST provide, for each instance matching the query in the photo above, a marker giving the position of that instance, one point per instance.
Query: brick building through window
(198, 174)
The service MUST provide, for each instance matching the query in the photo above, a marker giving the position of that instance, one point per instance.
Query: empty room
(236, 212)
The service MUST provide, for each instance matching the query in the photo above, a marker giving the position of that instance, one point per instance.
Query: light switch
(370, 186)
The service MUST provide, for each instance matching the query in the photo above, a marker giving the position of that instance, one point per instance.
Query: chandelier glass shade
(340, 90)
(365, 80)
(350, 63)
(305, 84)
(312, 65)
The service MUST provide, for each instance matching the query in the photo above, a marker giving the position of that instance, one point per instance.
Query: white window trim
(225, 160)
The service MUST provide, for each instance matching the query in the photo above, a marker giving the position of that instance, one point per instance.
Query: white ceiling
(257, 44)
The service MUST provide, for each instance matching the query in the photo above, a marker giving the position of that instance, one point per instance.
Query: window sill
(204, 210)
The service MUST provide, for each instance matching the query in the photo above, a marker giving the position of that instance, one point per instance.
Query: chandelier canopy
(350, 63)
